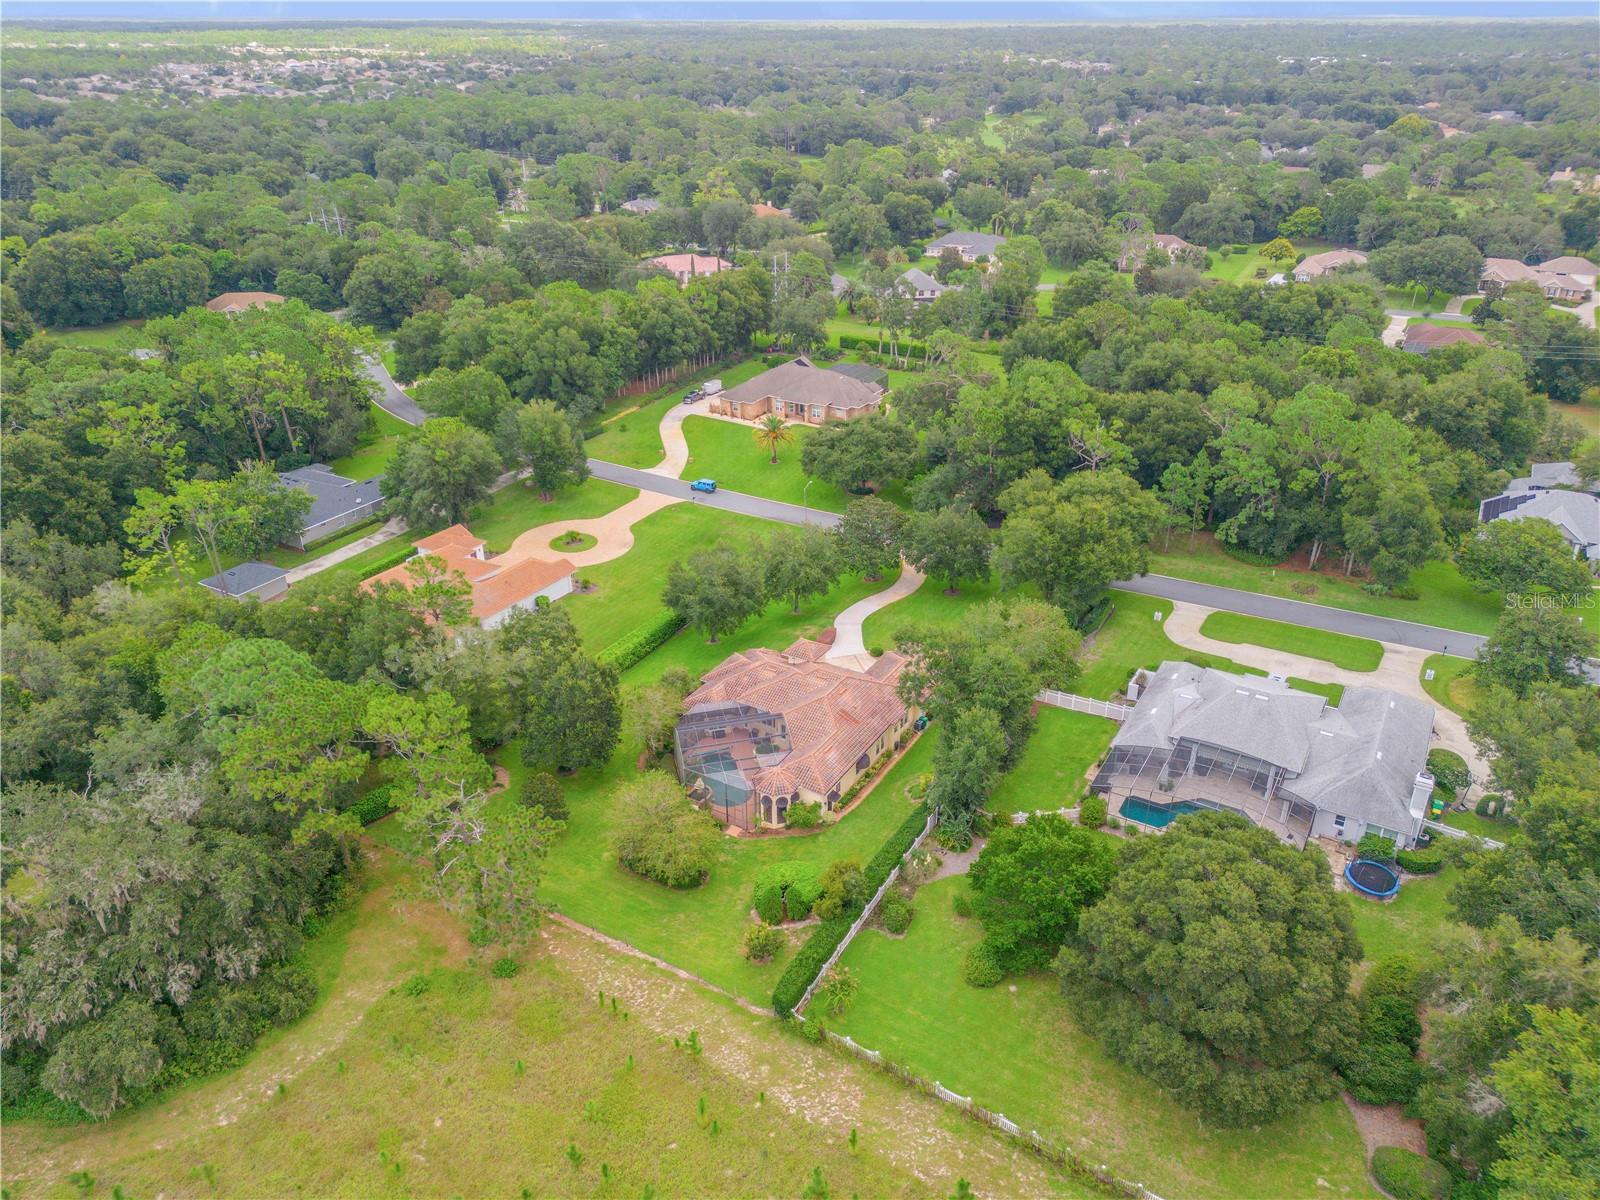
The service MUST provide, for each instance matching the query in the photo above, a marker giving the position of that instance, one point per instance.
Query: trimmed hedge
(785, 891)
(1421, 862)
(378, 802)
(634, 647)
(392, 559)
(824, 940)
(1406, 1175)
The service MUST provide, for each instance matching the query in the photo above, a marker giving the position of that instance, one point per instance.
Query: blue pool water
(1158, 816)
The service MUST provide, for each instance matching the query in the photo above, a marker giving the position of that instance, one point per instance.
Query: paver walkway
(1400, 670)
(849, 648)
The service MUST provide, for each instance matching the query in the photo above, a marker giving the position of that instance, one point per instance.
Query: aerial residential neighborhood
(709, 601)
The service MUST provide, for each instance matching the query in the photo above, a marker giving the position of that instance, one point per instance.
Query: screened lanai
(720, 747)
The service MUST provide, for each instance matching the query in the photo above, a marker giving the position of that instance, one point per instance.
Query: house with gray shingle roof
(1552, 492)
(337, 503)
(799, 390)
(260, 580)
(971, 246)
(925, 289)
(1287, 760)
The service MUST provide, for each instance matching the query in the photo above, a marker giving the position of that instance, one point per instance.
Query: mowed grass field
(630, 435)
(420, 1074)
(1016, 1048)
(1444, 597)
(372, 453)
(1339, 649)
(1050, 773)
(1452, 684)
(729, 453)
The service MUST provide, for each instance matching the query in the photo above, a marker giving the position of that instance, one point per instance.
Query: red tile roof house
(1422, 339)
(236, 302)
(499, 588)
(686, 266)
(766, 730)
(1137, 249)
(799, 390)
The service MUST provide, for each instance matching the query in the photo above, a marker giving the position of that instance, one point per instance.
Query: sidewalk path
(1400, 670)
(849, 648)
(391, 528)
(1395, 332)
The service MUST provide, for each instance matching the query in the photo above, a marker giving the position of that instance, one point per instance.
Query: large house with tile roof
(767, 729)
(1565, 278)
(499, 587)
(799, 390)
(1287, 760)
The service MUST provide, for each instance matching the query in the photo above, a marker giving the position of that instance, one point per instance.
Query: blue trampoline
(1372, 878)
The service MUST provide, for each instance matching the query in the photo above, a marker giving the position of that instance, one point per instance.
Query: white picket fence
(1084, 704)
(1452, 831)
(866, 912)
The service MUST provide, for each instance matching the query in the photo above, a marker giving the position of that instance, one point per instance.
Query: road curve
(390, 398)
(738, 502)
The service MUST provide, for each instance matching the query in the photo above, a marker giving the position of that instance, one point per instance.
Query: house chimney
(1421, 792)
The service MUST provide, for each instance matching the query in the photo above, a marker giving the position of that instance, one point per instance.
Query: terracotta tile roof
(834, 715)
(1435, 337)
(496, 584)
(232, 302)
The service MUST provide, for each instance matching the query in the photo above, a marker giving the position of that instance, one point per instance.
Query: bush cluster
(1383, 1069)
(1407, 1175)
(785, 891)
(505, 968)
(1490, 805)
(896, 912)
(1376, 847)
(805, 965)
(540, 789)
(1092, 812)
(634, 647)
(378, 802)
(761, 942)
(803, 816)
(1248, 556)
(980, 968)
(1449, 770)
(855, 341)
(1421, 862)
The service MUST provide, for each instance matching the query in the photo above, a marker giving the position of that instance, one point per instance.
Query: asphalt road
(738, 502)
(391, 399)
(1294, 612)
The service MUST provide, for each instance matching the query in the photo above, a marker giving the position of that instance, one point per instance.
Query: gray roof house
(865, 372)
(1287, 760)
(971, 246)
(641, 205)
(925, 289)
(1551, 491)
(259, 579)
(336, 502)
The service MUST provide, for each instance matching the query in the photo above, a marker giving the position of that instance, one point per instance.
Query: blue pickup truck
(703, 485)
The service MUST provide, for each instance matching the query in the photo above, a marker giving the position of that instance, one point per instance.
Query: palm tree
(772, 433)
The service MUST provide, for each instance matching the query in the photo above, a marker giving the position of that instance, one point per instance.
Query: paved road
(750, 506)
(391, 399)
(1317, 616)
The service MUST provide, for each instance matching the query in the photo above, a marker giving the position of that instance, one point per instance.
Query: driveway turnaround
(738, 502)
(1316, 616)
(391, 399)
(613, 533)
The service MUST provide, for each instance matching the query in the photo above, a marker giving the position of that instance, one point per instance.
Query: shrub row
(1421, 862)
(393, 559)
(1449, 769)
(785, 891)
(1248, 556)
(856, 341)
(825, 939)
(378, 802)
(1406, 1175)
(634, 647)
(1383, 1068)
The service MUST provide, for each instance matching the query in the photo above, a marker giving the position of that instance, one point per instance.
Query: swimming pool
(1157, 816)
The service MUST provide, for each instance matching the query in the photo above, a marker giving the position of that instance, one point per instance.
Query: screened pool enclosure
(720, 747)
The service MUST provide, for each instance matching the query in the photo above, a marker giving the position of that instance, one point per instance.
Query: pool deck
(1269, 814)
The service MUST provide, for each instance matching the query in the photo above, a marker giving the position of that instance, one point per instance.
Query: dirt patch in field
(1386, 1125)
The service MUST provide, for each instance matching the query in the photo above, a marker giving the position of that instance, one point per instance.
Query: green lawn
(1445, 598)
(632, 435)
(117, 335)
(1239, 268)
(1016, 1048)
(1415, 298)
(1049, 775)
(729, 454)
(1485, 827)
(1451, 685)
(1342, 650)
(517, 507)
(372, 453)
(700, 929)
(1408, 924)
(368, 562)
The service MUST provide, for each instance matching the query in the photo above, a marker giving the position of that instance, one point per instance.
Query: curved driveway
(391, 399)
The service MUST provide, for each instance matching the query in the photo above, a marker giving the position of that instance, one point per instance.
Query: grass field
(118, 335)
(728, 453)
(700, 929)
(1239, 268)
(1484, 827)
(1415, 298)
(1342, 650)
(517, 507)
(632, 436)
(1411, 922)
(1445, 598)
(1016, 1048)
(371, 456)
(1050, 773)
(477, 1086)
(1451, 684)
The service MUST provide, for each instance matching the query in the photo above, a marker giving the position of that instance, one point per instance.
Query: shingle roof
(331, 495)
(801, 382)
(865, 372)
(1328, 260)
(244, 579)
(834, 715)
(1360, 759)
(1576, 514)
(922, 281)
(976, 243)
(1435, 337)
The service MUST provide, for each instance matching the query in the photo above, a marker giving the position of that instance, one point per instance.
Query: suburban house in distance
(767, 729)
(760, 209)
(686, 266)
(970, 246)
(336, 502)
(1136, 249)
(1552, 492)
(799, 390)
(499, 588)
(925, 289)
(259, 579)
(1289, 761)
(233, 303)
(1314, 266)
(1422, 339)
(641, 205)
(1577, 180)
(1564, 278)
